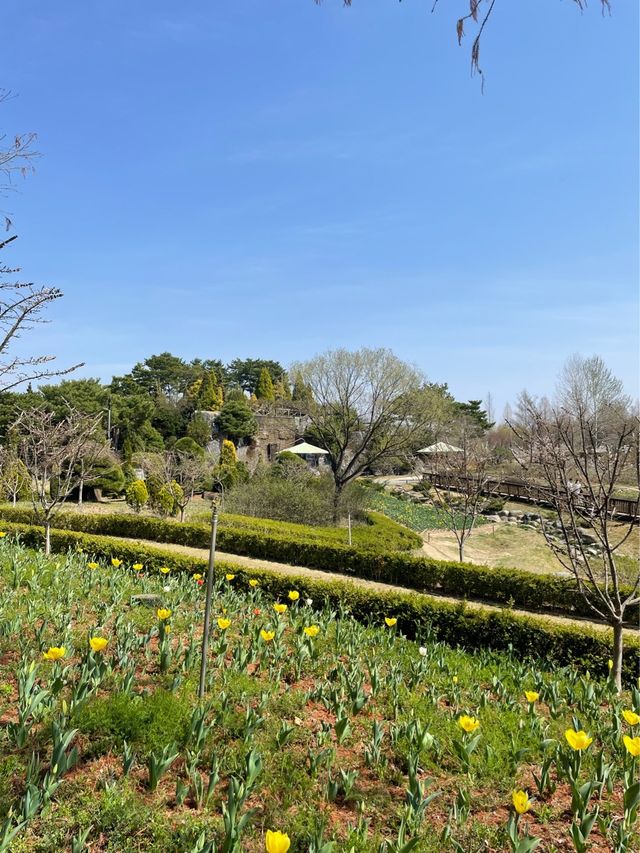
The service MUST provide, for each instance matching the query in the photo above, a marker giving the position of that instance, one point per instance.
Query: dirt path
(286, 569)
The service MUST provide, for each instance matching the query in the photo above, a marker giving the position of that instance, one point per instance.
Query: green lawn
(416, 516)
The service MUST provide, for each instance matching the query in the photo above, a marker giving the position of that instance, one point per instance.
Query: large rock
(585, 536)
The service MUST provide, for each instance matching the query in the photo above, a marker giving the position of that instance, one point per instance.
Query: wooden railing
(532, 492)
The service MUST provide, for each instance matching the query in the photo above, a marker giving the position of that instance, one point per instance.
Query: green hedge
(378, 534)
(515, 587)
(455, 624)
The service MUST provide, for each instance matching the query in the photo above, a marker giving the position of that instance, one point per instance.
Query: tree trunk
(618, 644)
(182, 509)
(336, 503)
(461, 550)
(47, 537)
(14, 498)
(80, 490)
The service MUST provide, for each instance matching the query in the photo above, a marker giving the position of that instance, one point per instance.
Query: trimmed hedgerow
(497, 585)
(378, 534)
(455, 624)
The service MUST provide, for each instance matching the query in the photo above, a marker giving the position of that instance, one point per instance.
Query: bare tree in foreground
(21, 307)
(461, 482)
(21, 304)
(478, 16)
(60, 456)
(581, 464)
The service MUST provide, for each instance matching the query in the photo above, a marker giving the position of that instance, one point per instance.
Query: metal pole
(207, 604)
(349, 528)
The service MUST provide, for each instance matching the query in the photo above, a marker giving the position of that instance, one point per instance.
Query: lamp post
(207, 605)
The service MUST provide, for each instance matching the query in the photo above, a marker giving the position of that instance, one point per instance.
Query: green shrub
(137, 495)
(189, 447)
(149, 722)
(292, 544)
(455, 624)
(168, 498)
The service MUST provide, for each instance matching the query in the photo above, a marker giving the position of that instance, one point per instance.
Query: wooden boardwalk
(620, 507)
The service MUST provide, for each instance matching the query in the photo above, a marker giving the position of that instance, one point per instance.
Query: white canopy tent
(440, 447)
(305, 449)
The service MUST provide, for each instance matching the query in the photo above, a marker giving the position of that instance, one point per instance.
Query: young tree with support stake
(59, 455)
(461, 482)
(582, 457)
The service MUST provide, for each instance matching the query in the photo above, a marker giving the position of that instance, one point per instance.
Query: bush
(188, 446)
(228, 455)
(137, 495)
(289, 491)
(493, 505)
(236, 420)
(455, 624)
(296, 545)
(151, 722)
(168, 498)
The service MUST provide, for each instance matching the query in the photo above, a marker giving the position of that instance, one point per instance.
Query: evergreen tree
(477, 415)
(199, 430)
(210, 394)
(265, 389)
(228, 455)
(301, 391)
(282, 389)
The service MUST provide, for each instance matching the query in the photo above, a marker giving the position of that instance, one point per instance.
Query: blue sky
(275, 179)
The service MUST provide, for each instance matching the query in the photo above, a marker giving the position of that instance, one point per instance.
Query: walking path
(286, 569)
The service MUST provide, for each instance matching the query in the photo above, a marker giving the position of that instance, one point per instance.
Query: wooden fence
(537, 494)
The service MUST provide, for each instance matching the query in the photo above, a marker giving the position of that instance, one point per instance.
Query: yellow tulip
(577, 740)
(469, 724)
(163, 614)
(55, 653)
(631, 717)
(197, 577)
(531, 696)
(229, 576)
(521, 801)
(455, 679)
(223, 624)
(2, 534)
(390, 622)
(98, 644)
(312, 630)
(267, 636)
(610, 664)
(115, 562)
(280, 608)
(165, 570)
(253, 582)
(137, 567)
(632, 744)
(276, 842)
(293, 595)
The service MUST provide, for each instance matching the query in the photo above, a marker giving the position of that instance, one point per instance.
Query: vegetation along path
(286, 569)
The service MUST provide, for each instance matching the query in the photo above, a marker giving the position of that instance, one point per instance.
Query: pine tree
(264, 389)
(282, 389)
(210, 394)
(301, 391)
